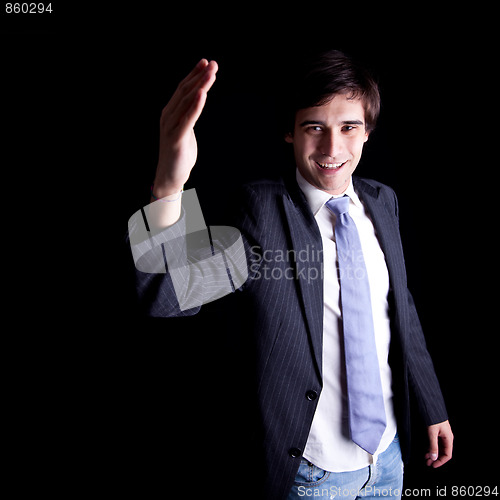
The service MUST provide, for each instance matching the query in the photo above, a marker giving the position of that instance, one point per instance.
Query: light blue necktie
(367, 420)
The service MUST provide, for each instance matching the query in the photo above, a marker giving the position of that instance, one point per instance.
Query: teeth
(330, 165)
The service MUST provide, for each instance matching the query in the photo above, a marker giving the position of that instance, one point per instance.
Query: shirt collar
(317, 198)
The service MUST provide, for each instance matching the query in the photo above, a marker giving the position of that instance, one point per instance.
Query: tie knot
(339, 205)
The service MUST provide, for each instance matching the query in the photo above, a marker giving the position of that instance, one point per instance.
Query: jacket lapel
(387, 230)
(306, 239)
(305, 236)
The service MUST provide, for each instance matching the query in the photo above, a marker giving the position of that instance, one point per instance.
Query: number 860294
(27, 8)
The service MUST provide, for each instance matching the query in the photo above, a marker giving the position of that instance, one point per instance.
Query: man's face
(328, 141)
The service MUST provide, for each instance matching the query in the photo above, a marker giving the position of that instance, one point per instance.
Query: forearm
(178, 147)
(202, 265)
(422, 373)
(159, 234)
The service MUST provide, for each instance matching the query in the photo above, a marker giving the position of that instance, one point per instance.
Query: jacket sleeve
(186, 265)
(422, 375)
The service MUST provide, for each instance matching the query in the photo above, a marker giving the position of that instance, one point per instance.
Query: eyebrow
(323, 124)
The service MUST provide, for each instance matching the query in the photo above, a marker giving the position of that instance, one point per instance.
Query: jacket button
(294, 452)
(311, 395)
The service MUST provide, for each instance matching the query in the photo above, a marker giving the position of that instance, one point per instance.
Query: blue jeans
(383, 479)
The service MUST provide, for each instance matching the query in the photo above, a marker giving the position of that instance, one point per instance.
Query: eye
(348, 128)
(315, 129)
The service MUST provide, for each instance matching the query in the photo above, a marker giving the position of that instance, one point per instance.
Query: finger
(200, 65)
(187, 85)
(203, 81)
(441, 452)
(183, 104)
(443, 458)
(433, 452)
(446, 451)
(209, 77)
(190, 109)
(193, 113)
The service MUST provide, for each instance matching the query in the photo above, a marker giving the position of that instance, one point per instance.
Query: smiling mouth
(331, 166)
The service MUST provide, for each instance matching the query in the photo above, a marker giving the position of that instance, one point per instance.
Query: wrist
(160, 192)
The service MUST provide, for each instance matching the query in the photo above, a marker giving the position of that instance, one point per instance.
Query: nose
(331, 144)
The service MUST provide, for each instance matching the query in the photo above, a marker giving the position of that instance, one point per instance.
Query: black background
(126, 399)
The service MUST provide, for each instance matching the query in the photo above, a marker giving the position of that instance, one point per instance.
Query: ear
(289, 137)
(367, 134)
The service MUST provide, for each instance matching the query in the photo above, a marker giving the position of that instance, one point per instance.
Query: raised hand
(178, 148)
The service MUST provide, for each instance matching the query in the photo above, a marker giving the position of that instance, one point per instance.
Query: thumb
(433, 453)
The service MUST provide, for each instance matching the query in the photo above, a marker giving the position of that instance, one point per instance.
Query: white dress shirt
(329, 445)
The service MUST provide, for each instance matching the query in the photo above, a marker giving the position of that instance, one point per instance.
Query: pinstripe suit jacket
(286, 318)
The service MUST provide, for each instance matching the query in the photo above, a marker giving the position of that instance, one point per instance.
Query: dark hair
(318, 78)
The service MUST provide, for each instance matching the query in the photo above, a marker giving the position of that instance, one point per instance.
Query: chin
(337, 187)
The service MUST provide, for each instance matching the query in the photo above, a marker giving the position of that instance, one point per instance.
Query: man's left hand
(440, 444)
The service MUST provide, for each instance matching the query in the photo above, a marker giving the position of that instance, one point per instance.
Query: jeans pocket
(309, 475)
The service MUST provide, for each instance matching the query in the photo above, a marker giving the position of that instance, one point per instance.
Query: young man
(337, 339)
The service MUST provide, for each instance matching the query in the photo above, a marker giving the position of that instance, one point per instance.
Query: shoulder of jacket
(266, 186)
(383, 189)
(373, 183)
(384, 192)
